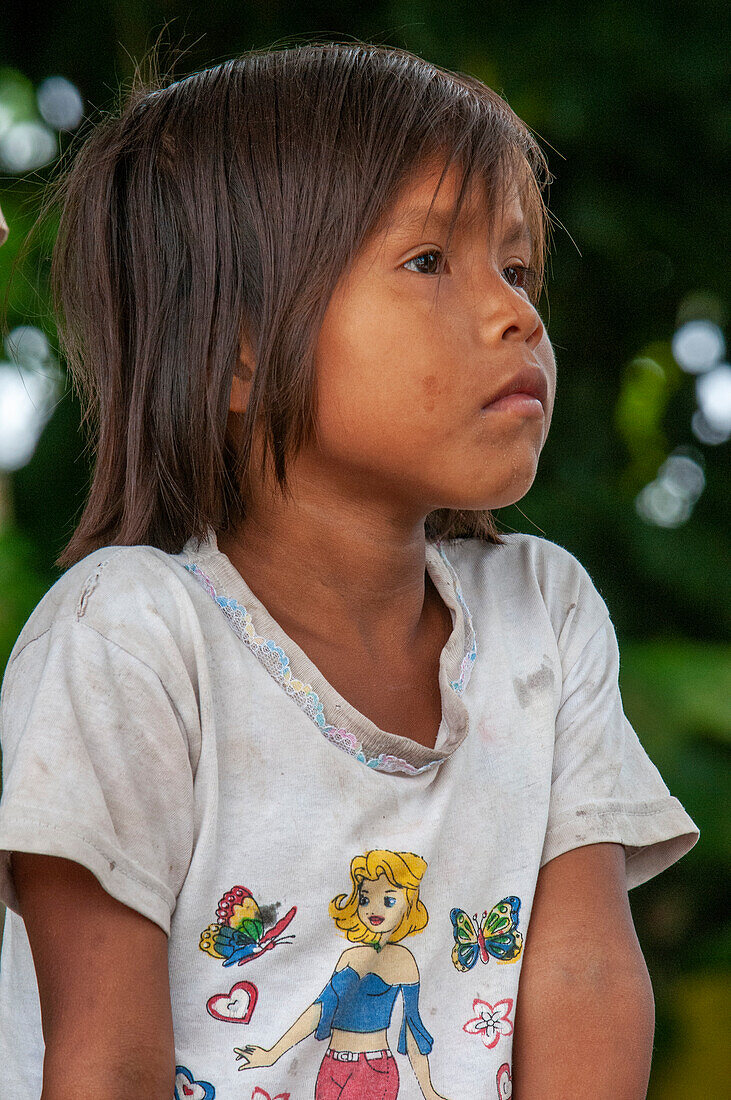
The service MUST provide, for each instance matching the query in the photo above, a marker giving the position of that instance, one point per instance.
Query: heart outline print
(220, 1002)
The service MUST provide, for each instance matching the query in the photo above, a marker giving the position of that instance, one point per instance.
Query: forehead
(419, 207)
(382, 882)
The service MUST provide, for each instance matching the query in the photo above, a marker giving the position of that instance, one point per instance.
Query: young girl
(298, 294)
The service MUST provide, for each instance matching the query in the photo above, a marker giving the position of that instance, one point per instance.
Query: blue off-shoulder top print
(366, 1004)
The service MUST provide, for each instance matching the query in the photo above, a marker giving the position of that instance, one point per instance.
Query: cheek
(378, 378)
(388, 423)
(547, 360)
(431, 392)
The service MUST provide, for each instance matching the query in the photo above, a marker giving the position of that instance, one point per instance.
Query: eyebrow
(518, 231)
(414, 218)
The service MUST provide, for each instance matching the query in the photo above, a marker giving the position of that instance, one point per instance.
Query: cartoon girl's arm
(303, 1026)
(317, 1017)
(420, 1066)
(416, 1041)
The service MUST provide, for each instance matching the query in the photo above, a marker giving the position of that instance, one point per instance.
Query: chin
(506, 500)
(491, 499)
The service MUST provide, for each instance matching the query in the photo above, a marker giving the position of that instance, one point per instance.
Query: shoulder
(403, 964)
(137, 597)
(350, 957)
(520, 557)
(525, 578)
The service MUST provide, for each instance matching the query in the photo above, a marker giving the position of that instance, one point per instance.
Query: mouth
(526, 391)
(376, 920)
(522, 403)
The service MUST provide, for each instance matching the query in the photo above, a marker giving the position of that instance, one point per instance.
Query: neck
(361, 569)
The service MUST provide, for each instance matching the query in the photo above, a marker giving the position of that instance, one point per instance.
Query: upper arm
(583, 970)
(409, 969)
(344, 959)
(102, 972)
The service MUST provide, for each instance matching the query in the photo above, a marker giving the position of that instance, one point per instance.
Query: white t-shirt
(160, 728)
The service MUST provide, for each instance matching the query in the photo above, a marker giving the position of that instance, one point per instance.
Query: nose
(518, 318)
(507, 312)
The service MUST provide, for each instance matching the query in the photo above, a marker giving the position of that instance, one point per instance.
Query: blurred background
(627, 99)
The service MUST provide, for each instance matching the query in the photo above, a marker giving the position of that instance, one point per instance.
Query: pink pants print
(372, 1078)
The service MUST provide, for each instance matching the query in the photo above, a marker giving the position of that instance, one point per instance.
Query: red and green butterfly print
(495, 935)
(239, 935)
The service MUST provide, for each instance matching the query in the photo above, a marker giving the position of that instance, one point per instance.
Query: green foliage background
(627, 99)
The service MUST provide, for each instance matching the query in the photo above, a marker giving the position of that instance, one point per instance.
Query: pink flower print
(491, 1021)
(504, 1082)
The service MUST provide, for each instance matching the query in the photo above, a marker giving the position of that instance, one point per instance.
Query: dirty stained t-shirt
(161, 729)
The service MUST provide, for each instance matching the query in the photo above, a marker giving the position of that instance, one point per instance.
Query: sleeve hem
(117, 874)
(654, 834)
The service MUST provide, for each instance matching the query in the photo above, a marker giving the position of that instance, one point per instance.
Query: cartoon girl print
(355, 1008)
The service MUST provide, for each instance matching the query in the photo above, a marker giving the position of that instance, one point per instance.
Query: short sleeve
(96, 768)
(604, 787)
(415, 1023)
(329, 1001)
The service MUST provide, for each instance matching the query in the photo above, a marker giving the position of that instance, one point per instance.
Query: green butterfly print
(495, 935)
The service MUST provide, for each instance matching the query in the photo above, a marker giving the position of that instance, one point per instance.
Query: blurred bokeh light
(668, 500)
(697, 345)
(26, 146)
(30, 120)
(30, 385)
(60, 103)
(713, 392)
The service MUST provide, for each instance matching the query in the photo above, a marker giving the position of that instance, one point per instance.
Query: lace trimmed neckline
(335, 718)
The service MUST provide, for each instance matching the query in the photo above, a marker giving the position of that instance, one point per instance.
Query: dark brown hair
(224, 207)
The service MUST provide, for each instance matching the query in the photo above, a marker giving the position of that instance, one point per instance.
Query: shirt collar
(292, 669)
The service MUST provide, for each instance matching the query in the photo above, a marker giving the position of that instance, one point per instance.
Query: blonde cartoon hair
(402, 869)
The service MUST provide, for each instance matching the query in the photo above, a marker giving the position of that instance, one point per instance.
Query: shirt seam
(86, 626)
(82, 586)
(659, 805)
(59, 828)
(602, 624)
(76, 622)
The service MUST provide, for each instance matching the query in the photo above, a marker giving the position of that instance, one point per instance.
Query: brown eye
(526, 277)
(423, 255)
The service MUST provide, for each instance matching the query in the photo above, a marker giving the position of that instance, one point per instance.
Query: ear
(239, 394)
(240, 385)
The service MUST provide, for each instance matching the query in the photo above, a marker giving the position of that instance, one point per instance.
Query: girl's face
(381, 905)
(405, 379)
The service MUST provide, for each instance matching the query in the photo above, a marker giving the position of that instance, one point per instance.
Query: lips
(376, 920)
(529, 380)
